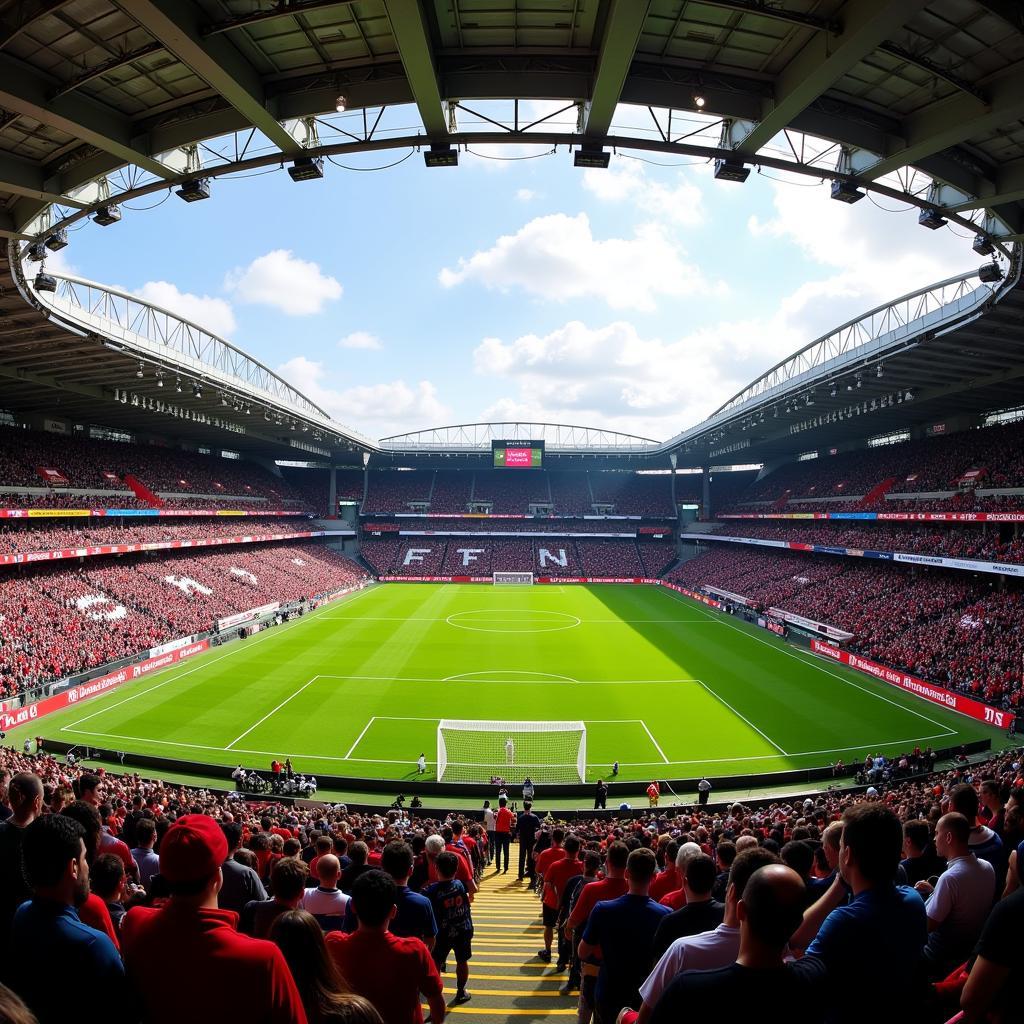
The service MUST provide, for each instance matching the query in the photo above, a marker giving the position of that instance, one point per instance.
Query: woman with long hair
(325, 995)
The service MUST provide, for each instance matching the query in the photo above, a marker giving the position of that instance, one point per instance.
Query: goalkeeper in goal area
(510, 751)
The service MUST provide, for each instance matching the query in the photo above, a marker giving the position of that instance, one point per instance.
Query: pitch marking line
(273, 712)
(455, 679)
(818, 665)
(359, 738)
(204, 664)
(379, 760)
(654, 741)
(743, 718)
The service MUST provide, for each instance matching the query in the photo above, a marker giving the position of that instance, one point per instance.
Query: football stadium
(511, 509)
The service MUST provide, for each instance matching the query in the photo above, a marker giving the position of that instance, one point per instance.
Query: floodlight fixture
(833, 391)
(441, 156)
(45, 282)
(36, 252)
(591, 157)
(56, 239)
(159, 378)
(731, 170)
(177, 384)
(699, 101)
(306, 168)
(341, 103)
(878, 370)
(109, 213)
(141, 371)
(982, 246)
(989, 273)
(197, 391)
(194, 189)
(846, 191)
(223, 399)
(930, 218)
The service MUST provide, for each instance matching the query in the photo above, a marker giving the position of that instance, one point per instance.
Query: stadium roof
(104, 100)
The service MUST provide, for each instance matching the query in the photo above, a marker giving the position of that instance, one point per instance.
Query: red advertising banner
(929, 691)
(57, 513)
(93, 688)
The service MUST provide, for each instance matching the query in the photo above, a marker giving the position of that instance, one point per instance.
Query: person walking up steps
(502, 833)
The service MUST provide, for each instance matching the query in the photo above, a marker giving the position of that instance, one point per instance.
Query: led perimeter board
(518, 454)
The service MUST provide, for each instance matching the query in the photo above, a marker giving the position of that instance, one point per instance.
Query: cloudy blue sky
(637, 298)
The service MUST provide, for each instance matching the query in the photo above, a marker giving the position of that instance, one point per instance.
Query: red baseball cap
(193, 849)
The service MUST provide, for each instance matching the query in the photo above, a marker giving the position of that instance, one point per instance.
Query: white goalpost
(477, 751)
(521, 579)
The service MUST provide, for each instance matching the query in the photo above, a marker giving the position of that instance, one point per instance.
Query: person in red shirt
(611, 887)
(503, 821)
(669, 879)
(230, 976)
(545, 860)
(435, 845)
(676, 899)
(391, 972)
(554, 886)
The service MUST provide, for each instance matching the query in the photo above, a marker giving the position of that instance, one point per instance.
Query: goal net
(478, 751)
(514, 578)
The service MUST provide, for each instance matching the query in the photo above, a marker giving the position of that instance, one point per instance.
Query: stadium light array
(194, 190)
(846, 192)
(36, 252)
(105, 215)
(590, 157)
(699, 101)
(930, 218)
(441, 156)
(56, 240)
(982, 246)
(45, 282)
(177, 384)
(306, 168)
(989, 273)
(341, 104)
(879, 371)
(731, 170)
(141, 371)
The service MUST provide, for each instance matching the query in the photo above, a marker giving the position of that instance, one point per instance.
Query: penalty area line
(360, 737)
(273, 712)
(743, 718)
(650, 736)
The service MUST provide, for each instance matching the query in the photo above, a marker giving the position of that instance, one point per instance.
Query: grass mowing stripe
(743, 718)
(287, 700)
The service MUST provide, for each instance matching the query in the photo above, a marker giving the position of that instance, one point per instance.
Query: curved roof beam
(25, 91)
(824, 60)
(417, 52)
(952, 121)
(177, 25)
(618, 47)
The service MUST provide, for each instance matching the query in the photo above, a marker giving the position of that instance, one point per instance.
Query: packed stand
(784, 912)
(633, 493)
(950, 628)
(56, 623)
(97, 532)
(978, 542)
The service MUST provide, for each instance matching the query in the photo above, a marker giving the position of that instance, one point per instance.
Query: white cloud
(361, 340)
(283, 281)
(213, 314)
(525, 195)
(680, 201)
(615, 377)
(388, 407)
(557, 257)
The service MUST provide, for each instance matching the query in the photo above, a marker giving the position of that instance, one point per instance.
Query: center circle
(512, 620)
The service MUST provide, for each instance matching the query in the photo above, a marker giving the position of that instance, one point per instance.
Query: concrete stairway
(506, 979)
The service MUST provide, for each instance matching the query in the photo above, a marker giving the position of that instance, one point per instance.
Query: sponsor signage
(889, 517)
(252, 613)
(94, 687)
(919, 687)
(57, 513)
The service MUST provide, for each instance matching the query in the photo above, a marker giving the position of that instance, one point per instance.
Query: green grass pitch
(665, 687)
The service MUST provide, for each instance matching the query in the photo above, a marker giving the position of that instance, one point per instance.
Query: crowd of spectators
(979, 541)
(957, 464)
(905, 903)
(559, 557)
(561, 527)
(19, 536)
(58, 622)
(951, 628)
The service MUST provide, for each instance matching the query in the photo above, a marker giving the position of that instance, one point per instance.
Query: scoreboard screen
(518, 454)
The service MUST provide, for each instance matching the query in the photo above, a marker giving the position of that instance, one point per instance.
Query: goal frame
(511, 728)
(522, 579)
